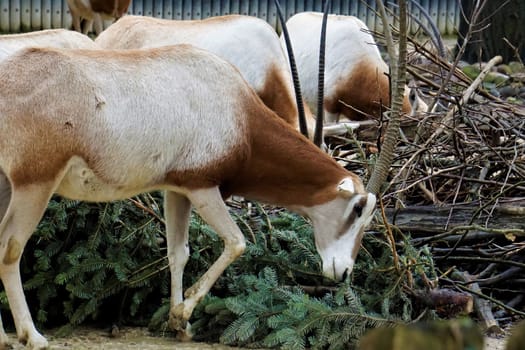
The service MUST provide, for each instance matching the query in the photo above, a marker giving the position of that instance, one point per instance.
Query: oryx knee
(12, 251)
(236, 246)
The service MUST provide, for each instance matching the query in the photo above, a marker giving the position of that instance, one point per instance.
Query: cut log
(448, 303)
(507, 217)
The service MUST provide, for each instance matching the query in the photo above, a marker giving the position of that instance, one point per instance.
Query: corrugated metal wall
(28, 15)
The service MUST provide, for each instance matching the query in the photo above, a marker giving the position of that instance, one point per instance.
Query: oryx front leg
(177, 210)
(25, 210)
(76, 21)
(88, 26)
(97, 23)
(211, 207)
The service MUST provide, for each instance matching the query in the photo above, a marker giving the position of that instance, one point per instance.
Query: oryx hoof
(178, 321)
(177, 324)
(181, 327)
(185, 335)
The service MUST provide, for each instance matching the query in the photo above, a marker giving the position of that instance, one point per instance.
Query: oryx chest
(80, 182)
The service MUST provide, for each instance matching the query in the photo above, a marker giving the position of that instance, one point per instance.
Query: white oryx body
(100, 125)
(355, 73)
(68, 39)
(249, 43)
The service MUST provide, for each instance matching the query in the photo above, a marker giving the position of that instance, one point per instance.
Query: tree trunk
(499, 31)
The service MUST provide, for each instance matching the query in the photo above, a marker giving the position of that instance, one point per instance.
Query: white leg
(88, 26)
(5, 194)
(76, 21)
(177, 210)
(25, 210)
(211, 207)
(5, 197)
(98, 23)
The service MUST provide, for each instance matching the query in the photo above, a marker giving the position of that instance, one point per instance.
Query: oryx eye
(412, 96)
(358, 210)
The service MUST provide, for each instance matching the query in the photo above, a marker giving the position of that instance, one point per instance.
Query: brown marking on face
(276, 96)
(352, 217)
(366, 88)
(357, 243)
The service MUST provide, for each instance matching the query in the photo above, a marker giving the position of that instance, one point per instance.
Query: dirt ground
(140, 339)
(127, 339)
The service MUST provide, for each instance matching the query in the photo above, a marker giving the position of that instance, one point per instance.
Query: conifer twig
(146, 209)
(390, 236)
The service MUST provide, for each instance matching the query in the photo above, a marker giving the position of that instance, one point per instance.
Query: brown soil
(141, 339)
(127, 339)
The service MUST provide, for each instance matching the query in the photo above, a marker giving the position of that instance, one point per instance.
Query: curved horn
(433, 33)
(293, 67)
(318, 137)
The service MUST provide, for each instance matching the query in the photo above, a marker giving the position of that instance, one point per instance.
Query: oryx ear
(346, 187)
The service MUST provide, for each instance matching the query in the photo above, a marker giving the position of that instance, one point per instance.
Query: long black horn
(318, 137)
(293, 67)
(433, 33)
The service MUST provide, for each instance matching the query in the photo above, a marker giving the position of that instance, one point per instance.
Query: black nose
(345, 274)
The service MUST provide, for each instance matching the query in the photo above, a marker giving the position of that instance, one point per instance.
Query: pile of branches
(457, 186)
(472, 168)
(470, 148)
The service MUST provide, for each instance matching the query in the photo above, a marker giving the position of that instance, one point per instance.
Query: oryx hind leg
(211, 207)
(26, 208)
(177, 210)
(5, 194)
(5, 197)
(97, 23)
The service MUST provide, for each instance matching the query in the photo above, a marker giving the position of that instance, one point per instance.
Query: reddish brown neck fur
(274, 97)
(285, 168)
(365, 90)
